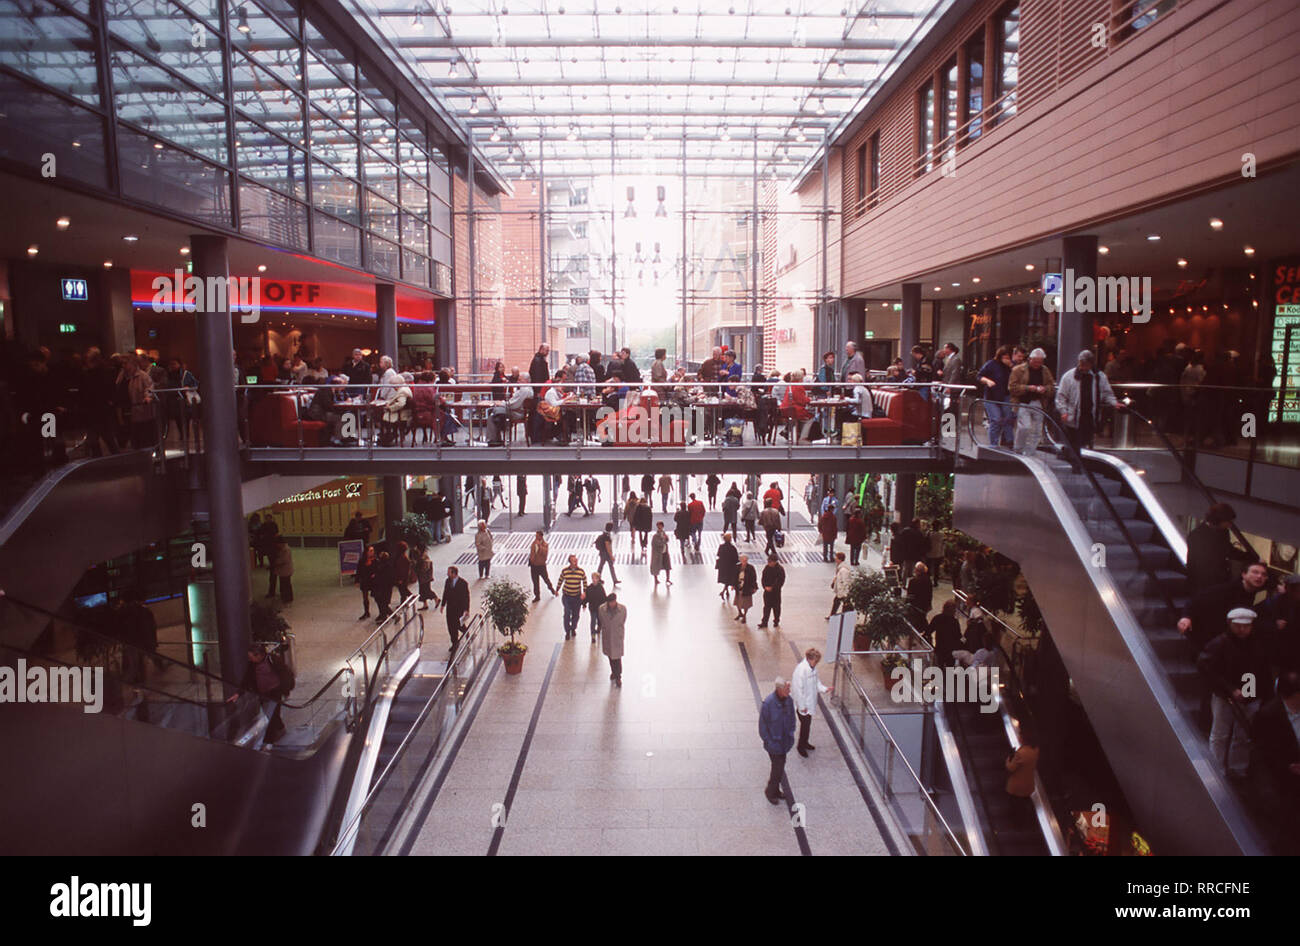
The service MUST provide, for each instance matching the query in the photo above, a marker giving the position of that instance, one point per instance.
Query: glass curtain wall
(242, 116)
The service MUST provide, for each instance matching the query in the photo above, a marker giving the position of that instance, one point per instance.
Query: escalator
(985, 744)
(1106, 566)
(169, 736)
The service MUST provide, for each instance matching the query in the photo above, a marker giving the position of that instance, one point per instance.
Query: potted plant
(414, 529)
(886, 627)
(864, 588)
(506, 603)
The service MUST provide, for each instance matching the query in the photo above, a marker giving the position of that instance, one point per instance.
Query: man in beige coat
(612, 618)
(483, 548)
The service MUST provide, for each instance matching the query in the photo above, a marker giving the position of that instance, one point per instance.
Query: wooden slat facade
(1165, 111)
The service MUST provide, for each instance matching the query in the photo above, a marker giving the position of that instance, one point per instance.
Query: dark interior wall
(39, 307)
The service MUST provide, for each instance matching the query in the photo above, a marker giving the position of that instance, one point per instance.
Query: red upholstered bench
(906, 420)
(273, 422)
(639, 424)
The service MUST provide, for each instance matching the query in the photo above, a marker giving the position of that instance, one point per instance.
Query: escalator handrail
(189, 668)
(1190, 475)
(1100, 493)
(844, 666)
(347, 832)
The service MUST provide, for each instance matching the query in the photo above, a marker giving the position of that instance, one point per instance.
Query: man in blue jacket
(776, 729)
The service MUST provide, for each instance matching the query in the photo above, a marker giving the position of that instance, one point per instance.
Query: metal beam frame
(462, 461)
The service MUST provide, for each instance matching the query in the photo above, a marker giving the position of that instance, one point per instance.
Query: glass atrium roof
(576, 84)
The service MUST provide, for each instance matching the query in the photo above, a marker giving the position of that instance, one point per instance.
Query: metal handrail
(1096, 487)
(1190, 474)
(842, 664)
(964, 600)
(347, 834)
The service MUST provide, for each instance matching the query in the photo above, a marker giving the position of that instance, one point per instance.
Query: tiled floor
(671, 763)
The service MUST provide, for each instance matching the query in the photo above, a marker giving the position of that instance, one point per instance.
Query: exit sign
(67, 328)
(75, 290)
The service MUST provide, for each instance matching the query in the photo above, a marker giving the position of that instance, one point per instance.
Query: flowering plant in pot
(506, 604)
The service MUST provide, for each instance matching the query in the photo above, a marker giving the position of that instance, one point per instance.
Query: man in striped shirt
(573, 592)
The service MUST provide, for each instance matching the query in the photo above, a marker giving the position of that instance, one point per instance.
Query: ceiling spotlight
(660, 211)
(1248, 250)
(451, 70)
(261, 267)
(938, 288)
(1153, 237)
(873, 24)
(955, 285)
(1216, 223)
(473, 105)
(631, 207)
(821, 106)
(130, 238)
(800, 136)
(725, 136)
(1182, 263)
(1103, 250)
(648, 135)
(185, 251)
(242, 25)
(417, 21)
(157, 146)
(573, 134)
(496, 133)
(33, 250)
(841, 65)
(1029, 266)
(63, 223)
(975, 279)
(108, 264)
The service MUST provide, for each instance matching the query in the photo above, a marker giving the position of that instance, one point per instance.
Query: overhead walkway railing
(385, 815)
(566, 420)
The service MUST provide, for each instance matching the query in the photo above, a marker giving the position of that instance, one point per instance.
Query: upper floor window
(580, 230)
(947, 108)
(1007, 64)
(578, 197)
(974, 104)
(874, 182)
(862, 172)
(1139, 14)
(578, 296)
(924, 128)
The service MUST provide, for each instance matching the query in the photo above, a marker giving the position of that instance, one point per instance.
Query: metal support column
(1078, 253)
(756, 357)
(386, 316)
(819, 345)
(613, 250)
(909, 330)
(229, 533)
(905, 497)
(473, 261)
(543, 263)
(685, 352)
(548, 503)
(386, 320)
